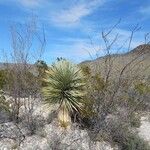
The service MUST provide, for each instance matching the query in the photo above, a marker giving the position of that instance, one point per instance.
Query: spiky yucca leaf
(65, 86)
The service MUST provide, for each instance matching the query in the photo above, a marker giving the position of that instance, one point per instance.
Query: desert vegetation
(65, 86)
(104, 97)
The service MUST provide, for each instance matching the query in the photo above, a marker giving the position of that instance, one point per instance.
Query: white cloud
(30, 3)
(73, 14)
(64, 13)
(24, 3)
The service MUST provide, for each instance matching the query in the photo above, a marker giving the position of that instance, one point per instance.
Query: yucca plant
(65, 86)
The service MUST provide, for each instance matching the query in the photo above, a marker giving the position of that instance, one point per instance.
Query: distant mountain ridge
(141, 64)
(144, 48)
(141, 49)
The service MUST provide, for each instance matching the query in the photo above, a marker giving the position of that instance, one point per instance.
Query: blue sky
(71, 25)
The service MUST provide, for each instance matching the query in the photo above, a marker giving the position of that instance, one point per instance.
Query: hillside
(138, 58)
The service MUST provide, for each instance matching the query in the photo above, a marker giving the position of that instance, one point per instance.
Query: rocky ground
(50, 136)
(144, 130)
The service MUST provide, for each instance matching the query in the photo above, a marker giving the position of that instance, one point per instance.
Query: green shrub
(2, 78)
(134, 142)
(124, 138)
(41, 68)
(142, 88)
(135, 120)
(20, 82)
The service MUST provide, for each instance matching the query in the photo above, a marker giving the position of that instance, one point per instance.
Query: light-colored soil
(144, 130)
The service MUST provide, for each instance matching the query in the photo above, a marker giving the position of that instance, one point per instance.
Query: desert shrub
(33, 124)
(21, 84)
(5, 110)
(22, 81)
(134, 142)
(60, 58)
(65, 86)
(27, 83)
(130, 141)
(117, 132)
(108, 96)
(4, 105)
(136, 97)
(2, 78)
(116, 104)
(117, 94)
(41, 67)
(135, 120)
(142, 88)
(98, 95)
(22, 87)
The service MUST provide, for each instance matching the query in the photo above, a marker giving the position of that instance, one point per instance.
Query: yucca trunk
(64, 116)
